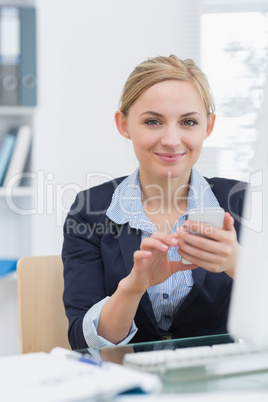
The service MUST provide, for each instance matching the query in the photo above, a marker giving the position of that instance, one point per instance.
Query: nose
(171, 137)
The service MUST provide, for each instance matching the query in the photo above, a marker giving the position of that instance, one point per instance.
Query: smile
(170, 158)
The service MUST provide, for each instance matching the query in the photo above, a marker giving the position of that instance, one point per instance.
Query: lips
(170, 158)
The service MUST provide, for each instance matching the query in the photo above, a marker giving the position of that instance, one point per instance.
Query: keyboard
(222, 359)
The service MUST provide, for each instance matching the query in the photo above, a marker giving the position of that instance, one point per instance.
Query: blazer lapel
(129, 241)
(199, 275)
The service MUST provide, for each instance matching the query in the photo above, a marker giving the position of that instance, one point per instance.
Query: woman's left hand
(217, 252)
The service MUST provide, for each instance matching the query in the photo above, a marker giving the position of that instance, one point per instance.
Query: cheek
(143, 141)
(140, 147)
(193, 142)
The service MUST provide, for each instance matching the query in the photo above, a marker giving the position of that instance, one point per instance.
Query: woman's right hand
(151, 264)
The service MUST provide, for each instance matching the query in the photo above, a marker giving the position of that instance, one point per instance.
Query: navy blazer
(97, 254)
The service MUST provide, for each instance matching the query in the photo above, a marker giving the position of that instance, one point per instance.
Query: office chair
(42, 320)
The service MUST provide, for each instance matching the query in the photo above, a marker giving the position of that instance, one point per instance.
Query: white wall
(86, 50)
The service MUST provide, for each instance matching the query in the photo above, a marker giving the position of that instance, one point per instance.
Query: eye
(152, 122)
(189, 122)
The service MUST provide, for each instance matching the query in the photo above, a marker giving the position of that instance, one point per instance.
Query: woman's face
(167, 125)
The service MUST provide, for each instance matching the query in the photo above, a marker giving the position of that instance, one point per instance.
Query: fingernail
(164, 247)
(174, 241)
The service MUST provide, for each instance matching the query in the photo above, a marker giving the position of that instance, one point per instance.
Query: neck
(164, 195)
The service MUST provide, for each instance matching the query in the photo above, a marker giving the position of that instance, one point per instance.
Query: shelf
(17, 192)
(16, 111)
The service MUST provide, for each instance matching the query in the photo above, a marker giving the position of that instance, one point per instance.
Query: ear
(121, 124)
(210, 124)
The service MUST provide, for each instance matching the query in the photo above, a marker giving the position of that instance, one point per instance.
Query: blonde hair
(158, 69)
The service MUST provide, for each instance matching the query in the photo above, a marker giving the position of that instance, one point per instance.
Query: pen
(88, 359)
(80, 357)
(84, 359)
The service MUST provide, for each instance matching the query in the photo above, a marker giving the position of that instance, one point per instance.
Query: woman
(124, 240)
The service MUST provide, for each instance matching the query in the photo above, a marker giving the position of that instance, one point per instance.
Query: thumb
(228, 222)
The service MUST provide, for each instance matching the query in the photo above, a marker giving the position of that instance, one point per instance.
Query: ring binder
(18, 55)
(27, 76)
(9, 54)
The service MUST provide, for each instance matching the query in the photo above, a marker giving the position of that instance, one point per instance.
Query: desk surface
(174, 382)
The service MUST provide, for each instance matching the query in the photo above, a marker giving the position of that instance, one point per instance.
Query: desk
(176, 383)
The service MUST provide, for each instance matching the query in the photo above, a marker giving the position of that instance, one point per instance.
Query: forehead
(168, 95)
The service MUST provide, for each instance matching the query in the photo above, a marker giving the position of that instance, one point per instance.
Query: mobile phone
(213, 216)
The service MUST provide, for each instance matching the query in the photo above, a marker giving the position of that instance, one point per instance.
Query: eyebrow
(160, 115)
(152, 113)
(190, 114)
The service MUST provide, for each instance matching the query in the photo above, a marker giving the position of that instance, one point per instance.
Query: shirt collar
(126, 205)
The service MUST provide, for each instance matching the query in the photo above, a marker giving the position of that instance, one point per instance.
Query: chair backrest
(42, 320)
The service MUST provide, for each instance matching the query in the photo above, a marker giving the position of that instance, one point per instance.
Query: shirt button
(165, 296)
(167, 316)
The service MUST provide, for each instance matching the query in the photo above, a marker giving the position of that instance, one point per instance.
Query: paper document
(44, 377)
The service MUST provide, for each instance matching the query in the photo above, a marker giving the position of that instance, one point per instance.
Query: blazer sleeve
(83, 267)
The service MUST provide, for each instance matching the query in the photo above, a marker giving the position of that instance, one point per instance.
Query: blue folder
(7, 266)
(5, 154)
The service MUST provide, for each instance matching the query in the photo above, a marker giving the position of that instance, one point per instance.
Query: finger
(151, 243)
(169, 239)
(140, 259)
(160, 242)
(197, 230)
(201, 258)
(198, 262)
(142, 254)
(228, 223)
(207, 229)
(214, 256)
(199, 240)
(195, 244)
